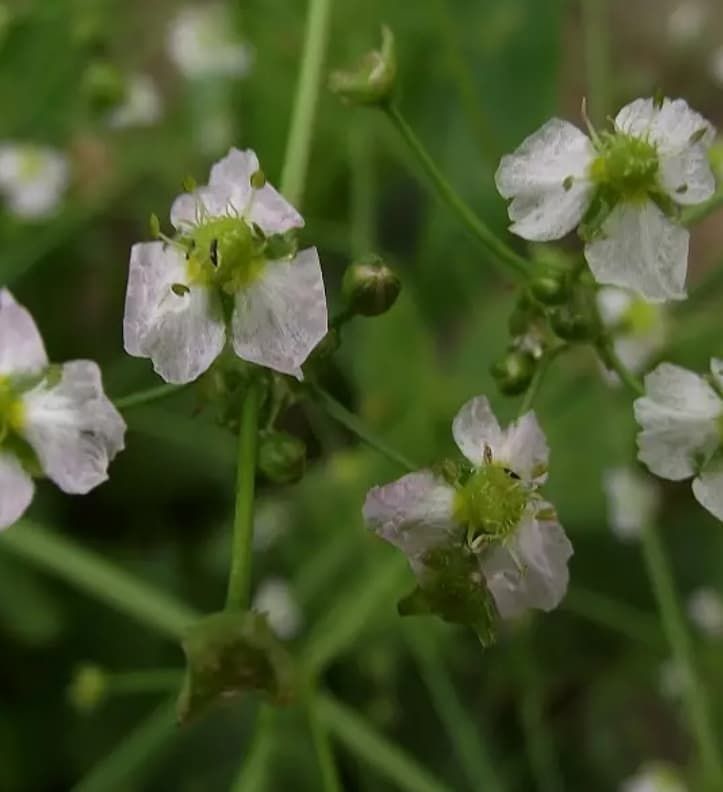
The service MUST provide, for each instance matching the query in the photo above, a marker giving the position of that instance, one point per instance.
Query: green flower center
(12, 410)
(627, 166)
(224, 251)
(31, 164)
(491, 503)
(641, 317)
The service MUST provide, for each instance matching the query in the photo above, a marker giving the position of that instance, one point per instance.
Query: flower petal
(678, 416)
(181, 333)
(530, 569)
(716, 369)
(281, 317)
(641, 249)
(632, 501)
(475, 427)
(22, 352)
(546, 178)
(16, 490)
(189, 209)
(671, 126)
(687, 176)
(414, 513)
(266, 207)
(74, 428)
(708, 487)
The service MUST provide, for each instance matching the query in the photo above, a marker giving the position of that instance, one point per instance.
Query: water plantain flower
(54, 420)
(33, 179)
(482, 530)
(622, 188)
(681, 421)
(232, 267)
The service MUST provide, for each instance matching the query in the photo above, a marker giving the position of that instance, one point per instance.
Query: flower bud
(523, 315)
(282, 457)
(104, 86)
(372, 81)
(370, 287)
(570, 325)
(88, 688)
(514, 372)
(550, 288)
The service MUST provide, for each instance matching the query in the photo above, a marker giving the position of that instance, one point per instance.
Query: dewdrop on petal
(33, 179)
(633, 500)
(705, 608)
(54, 420)
(275, 600)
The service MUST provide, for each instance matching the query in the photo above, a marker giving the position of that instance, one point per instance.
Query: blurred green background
(571, 700)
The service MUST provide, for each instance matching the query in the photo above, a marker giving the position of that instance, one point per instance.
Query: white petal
(16, 490)
(613, 303)
(142, 105)
(182, 334)
(534, 177)
(678, 417)
(530, 569)
(670, 126)
(414, 513)
(475, 427)
(74, 428)
(281, 317)
(189, 209)
(641, 249)
(632, 501)
(275, 599)
(716, 369)
(266, 207)
(687, 176)
(708, 487)
(705, 608)
(22, 351)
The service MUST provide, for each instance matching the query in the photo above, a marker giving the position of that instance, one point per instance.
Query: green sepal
(282, 457)
(372, 80)
(229, 654)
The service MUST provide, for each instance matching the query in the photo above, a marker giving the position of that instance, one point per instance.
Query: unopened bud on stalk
(514, 372)
(87, 688)
(571, 325)
(370, 287)
(550, 288)
(282, 457)
(372, 81)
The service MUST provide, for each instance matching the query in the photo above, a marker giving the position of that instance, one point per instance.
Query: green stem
(610, 360)
(502, 255)
(361, 195)
(320, 737)
(90, 573)
(155, 680)
(694, 214)
(239, 580)
(671, 615)
(595, 30)
(119, 769)
(391, 762)
(298, 144)
(252, 776)
(146, 396)
(350, 421)
(542, 366)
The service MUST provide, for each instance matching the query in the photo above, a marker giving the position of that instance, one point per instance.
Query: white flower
(33, 179)
(54, 420)
(637, 328)
(705, 607)
(681, 418)
(178, 291)
(632, 501)
(274, 598)
(615, 186)
(141, 107)
(201, 43)
(656, 777)
(494, 517)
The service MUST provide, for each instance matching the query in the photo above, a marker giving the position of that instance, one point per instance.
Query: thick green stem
(89, 572)
(146, 396)
(239, 581)
(694, 698)
(322, 746)
(298, 144)
(502, 255)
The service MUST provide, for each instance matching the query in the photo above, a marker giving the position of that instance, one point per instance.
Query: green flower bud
(514, 372)
(228, 654)
(550, 288)
(104, 86)
(88, 688)
(282, 457)
(571, 325)
(370, 287)
(523, 315)
(372, 81)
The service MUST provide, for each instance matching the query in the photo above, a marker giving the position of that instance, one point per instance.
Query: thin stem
(90, 573)
(502, 255)
(320, 737)
(155, 680)
(361, 194)
(298, 144)
(595, 31)
(694, 214)
(350, 421)
(542, 366)
(239, 581)
(694, 698)
(360, 738)
(611, 360)
(252, 776)
(146, 396)
(120, 768)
